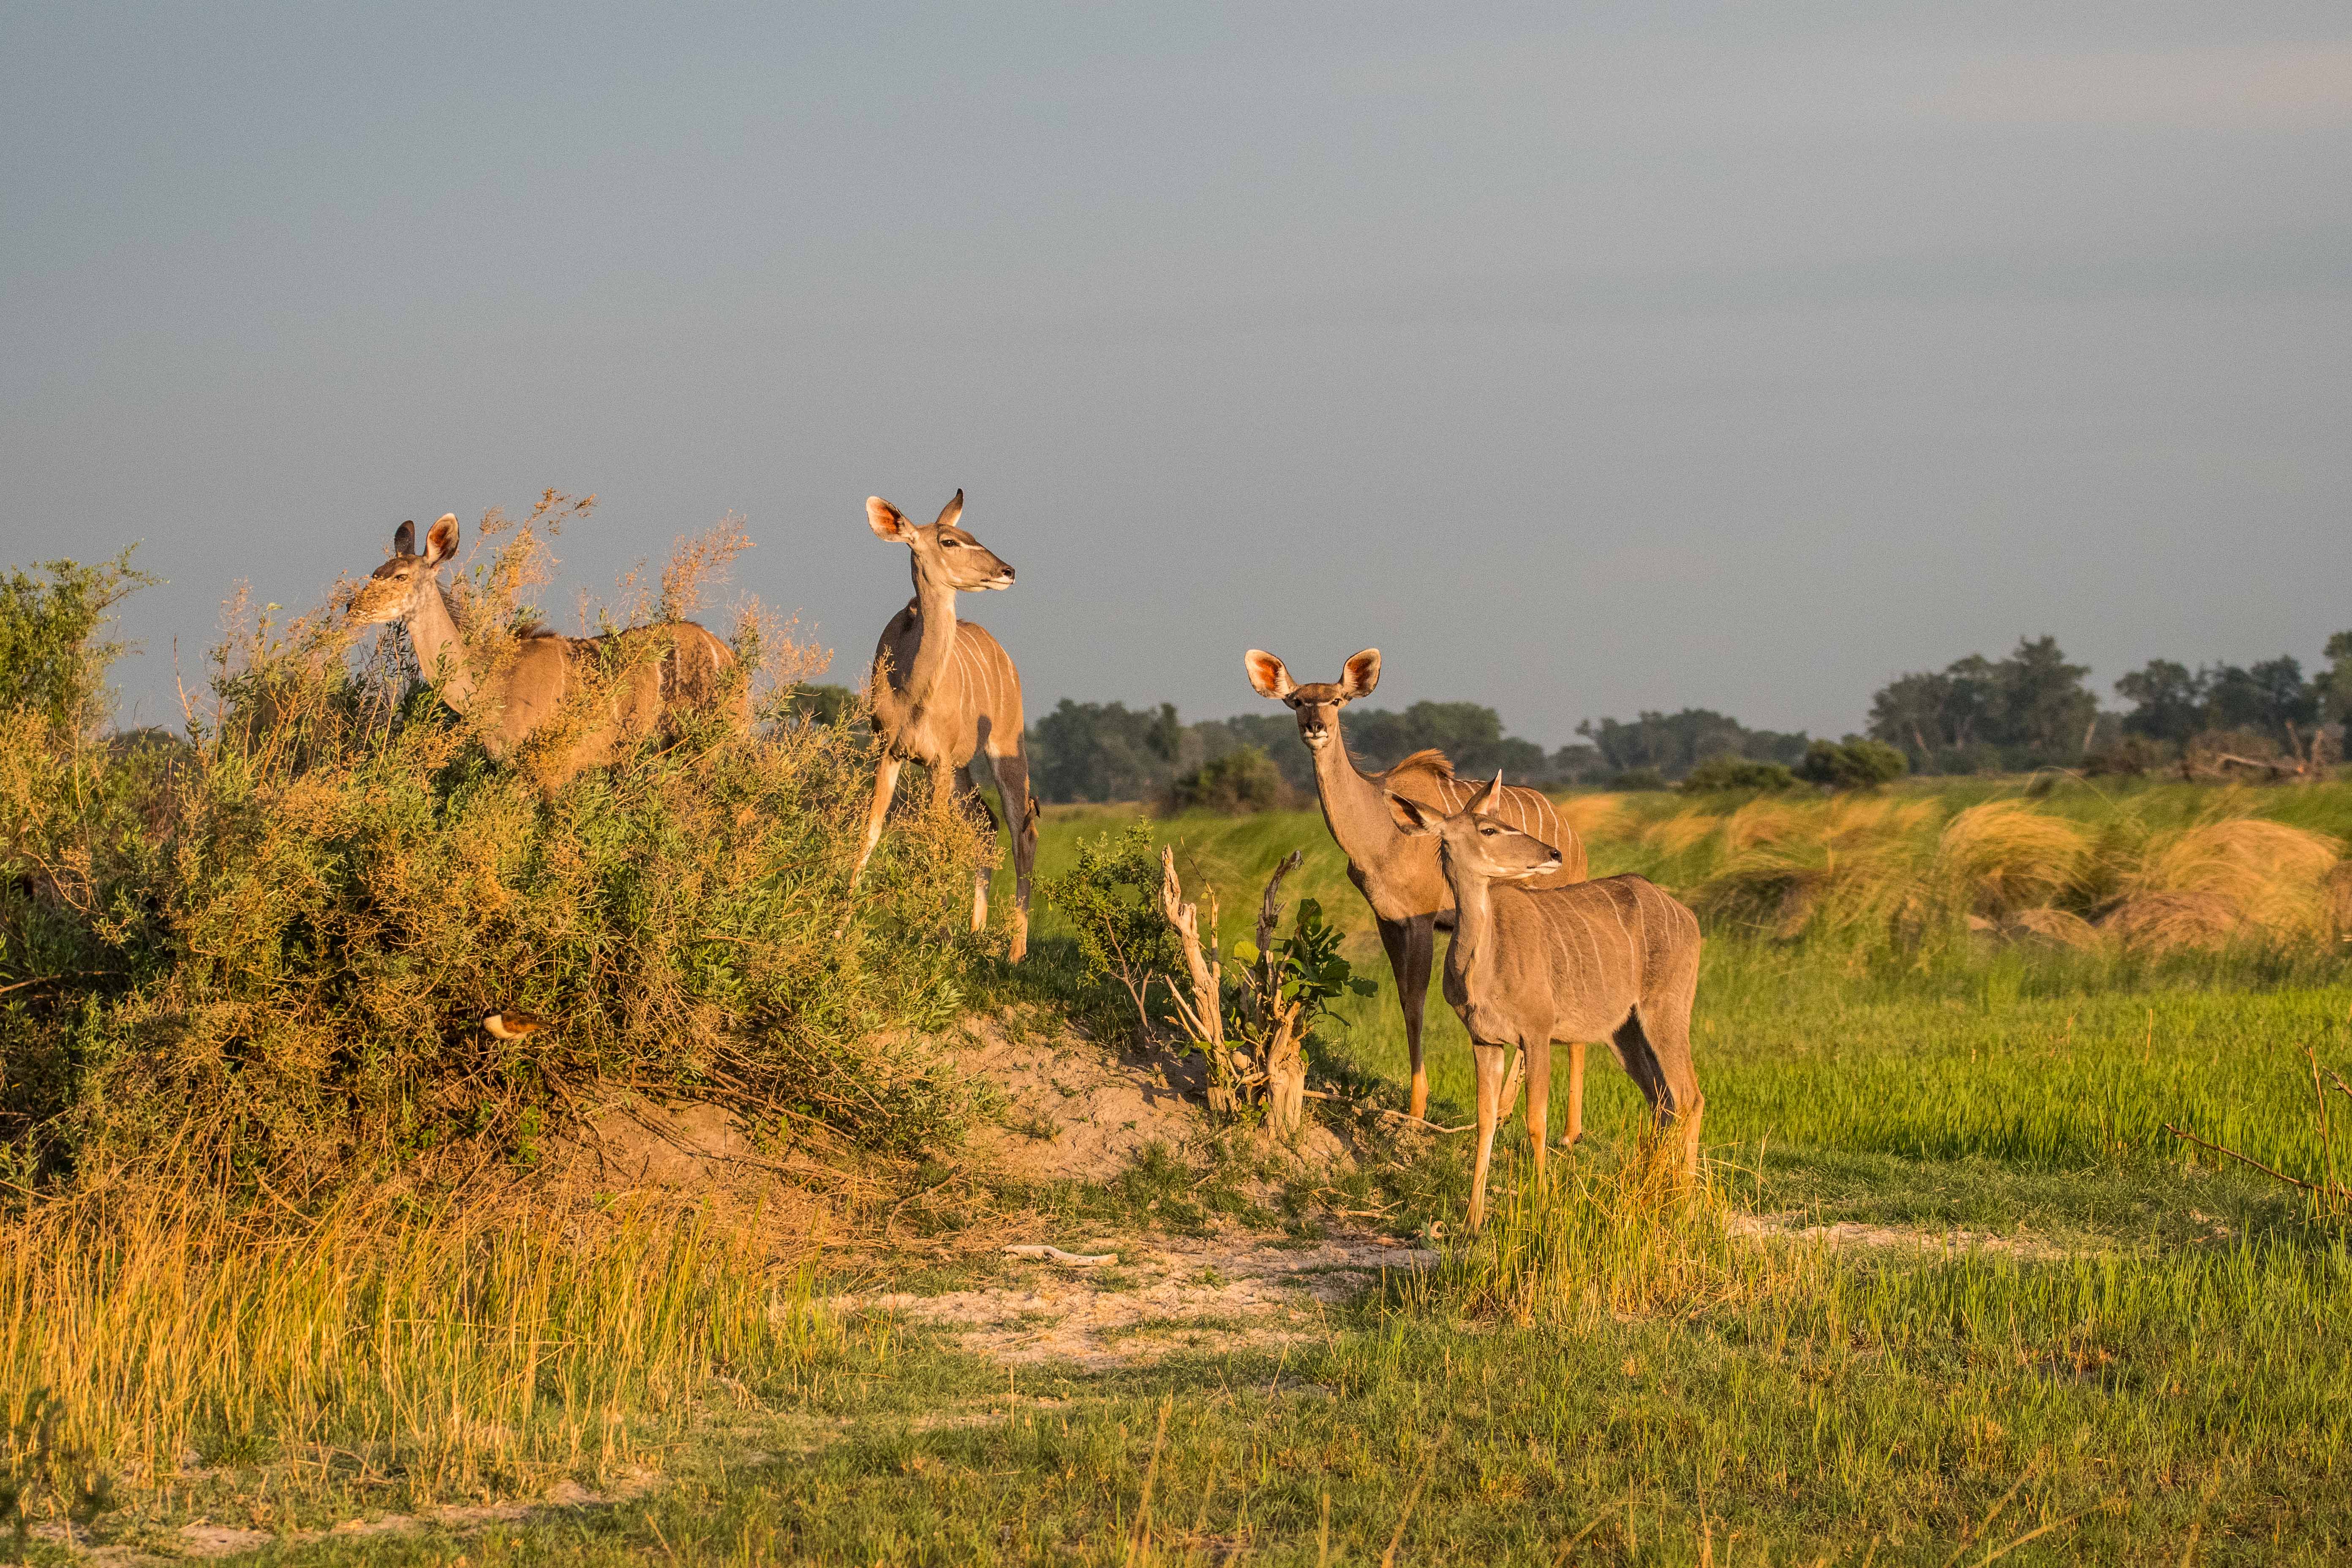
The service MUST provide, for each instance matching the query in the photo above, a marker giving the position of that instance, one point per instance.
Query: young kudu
(1615, 960)
(1399, 875)
(946, 695)
(660, 671)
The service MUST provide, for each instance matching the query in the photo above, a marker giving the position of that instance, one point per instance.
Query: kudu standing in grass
(946, 695)
(1615, 960)
(657, 673)
(1398, 875)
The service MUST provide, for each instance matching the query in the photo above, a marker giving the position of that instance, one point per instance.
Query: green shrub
(1728, 771)
(52, 660)
(1241, 781)
(267, 955)
(1639, 779)
(1852, 763)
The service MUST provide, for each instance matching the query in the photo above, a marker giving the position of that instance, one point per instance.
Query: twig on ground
(1071, 1259)
(2271, 1171)
(1432, 1126)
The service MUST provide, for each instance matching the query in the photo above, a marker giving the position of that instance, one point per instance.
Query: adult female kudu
(946, 695)
(659, 672)
(1614, 959)
(1398, 875)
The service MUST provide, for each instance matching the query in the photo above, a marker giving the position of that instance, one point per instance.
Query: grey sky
(1738, 356)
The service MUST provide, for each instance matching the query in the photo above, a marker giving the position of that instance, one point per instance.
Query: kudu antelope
(946, 695)
(1398, 875)
(660, 671)
(1615, 960)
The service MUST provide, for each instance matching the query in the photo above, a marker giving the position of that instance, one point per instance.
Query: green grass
(2161, 1375)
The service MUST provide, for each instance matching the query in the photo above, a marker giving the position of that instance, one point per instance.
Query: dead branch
(2271, 1171)
(1427, 1124)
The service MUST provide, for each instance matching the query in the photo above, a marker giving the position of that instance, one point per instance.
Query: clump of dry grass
(2221, 882)
(1902, 874)
(2003, 856)
(410, 1355)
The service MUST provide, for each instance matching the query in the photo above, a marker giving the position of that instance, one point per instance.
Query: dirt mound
(1198, 1294)
(1074, 1109)
(691, 1156)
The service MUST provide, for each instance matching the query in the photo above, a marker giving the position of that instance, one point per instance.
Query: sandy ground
(1207, 1295)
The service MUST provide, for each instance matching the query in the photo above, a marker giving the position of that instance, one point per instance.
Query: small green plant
(1304, 967)
(1109, 897)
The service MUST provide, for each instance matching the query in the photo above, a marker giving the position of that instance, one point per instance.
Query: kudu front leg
(1410, 944)
(885, 783)
(1487, 1060)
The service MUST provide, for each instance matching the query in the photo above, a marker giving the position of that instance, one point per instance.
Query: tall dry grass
(376, 1354)
(1917, 875)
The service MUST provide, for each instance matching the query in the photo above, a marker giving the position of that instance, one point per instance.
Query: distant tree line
(2030, 710)
(2033, 709)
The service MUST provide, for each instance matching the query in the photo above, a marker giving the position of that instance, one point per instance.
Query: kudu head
(1317, 703)
(392, 591)
(1475, 844)
(943, 554)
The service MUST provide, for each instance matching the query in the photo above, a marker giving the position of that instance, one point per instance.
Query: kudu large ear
(403, 538)
(888, 521)
(1267, 676)
(441, 540)
(1359, 674)
(950, 512)
(1412, 819)
(1483, 801)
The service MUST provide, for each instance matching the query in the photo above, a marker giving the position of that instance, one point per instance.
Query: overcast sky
(1737, 356)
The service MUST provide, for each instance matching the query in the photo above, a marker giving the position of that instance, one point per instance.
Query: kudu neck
(440, 653)
(1355, 809)
(935, 609)
(1474, 924)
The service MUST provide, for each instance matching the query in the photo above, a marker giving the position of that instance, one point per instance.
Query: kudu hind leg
(1656, 1052)
(1668, 1028)
(1020, 816)
(1573, 1133)
(970, 798)
(1539, 1101)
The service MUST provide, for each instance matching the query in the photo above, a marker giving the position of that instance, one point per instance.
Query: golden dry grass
(1900, 869)
(2006, 855)
(446, 1348)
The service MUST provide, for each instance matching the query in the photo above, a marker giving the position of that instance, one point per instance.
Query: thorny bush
(263, 952)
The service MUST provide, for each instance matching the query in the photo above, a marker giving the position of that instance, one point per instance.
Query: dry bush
(273, 952)
(697, 562)
(2218, 883)
(2004, 856)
